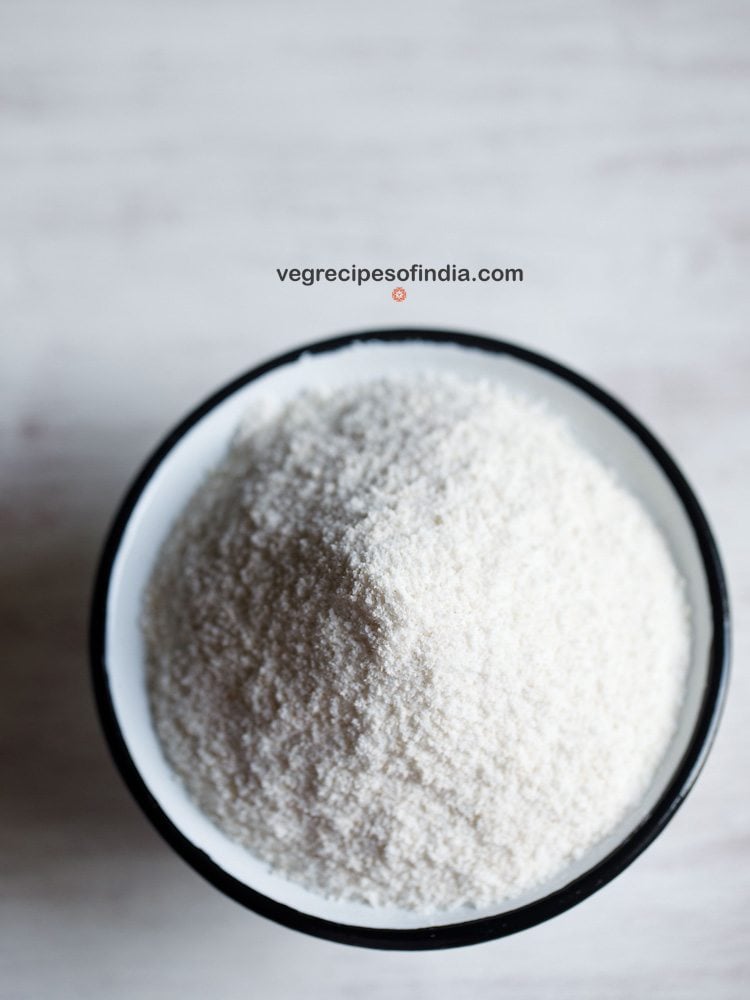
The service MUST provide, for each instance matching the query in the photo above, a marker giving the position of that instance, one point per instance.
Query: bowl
(173, 472)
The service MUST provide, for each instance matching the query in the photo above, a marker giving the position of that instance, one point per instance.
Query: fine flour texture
(410, 644)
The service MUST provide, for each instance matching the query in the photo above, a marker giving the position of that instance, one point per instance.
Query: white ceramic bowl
(172, 474)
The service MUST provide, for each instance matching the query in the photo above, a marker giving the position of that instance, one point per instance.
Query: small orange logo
(398, 294)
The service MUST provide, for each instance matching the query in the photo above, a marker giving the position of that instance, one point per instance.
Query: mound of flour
(411, 645)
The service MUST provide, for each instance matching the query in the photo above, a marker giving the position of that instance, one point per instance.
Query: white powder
(410, 644)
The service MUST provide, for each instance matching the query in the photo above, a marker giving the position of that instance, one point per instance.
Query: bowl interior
(182, 469)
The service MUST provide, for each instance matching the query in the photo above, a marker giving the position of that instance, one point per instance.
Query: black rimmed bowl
(174, 471)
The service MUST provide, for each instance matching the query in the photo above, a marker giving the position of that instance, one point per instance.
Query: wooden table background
(158, 160)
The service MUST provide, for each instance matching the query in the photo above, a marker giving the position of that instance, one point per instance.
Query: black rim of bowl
(482, 928)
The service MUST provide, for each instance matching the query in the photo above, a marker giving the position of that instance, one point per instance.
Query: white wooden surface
(157, 162)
